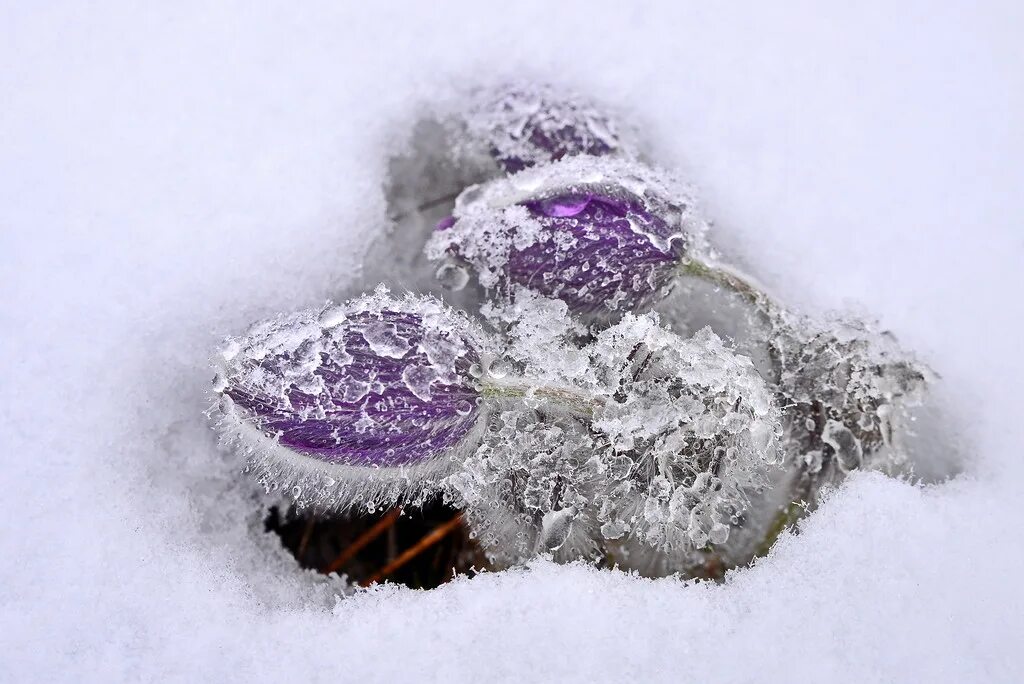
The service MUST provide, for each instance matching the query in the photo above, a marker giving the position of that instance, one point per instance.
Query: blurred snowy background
(169, 174)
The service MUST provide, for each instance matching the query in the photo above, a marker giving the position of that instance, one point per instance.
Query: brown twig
(436, 535)
(306, 534)
(362, 540)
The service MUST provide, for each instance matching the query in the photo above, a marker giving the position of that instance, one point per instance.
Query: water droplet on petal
(452, 276)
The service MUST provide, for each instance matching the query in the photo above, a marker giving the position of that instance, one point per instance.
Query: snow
(170, 175)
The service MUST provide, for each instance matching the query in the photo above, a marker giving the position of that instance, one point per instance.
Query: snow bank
(169, 175)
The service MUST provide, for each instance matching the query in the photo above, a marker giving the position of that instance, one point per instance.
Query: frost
(523, 124)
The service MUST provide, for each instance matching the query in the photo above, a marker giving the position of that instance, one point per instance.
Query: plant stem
(730, 280)
(580, 405)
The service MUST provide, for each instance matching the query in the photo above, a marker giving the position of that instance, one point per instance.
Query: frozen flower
(524, 124)
(376, 385)
(603, 235)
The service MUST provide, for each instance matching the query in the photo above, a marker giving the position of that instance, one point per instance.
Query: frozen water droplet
(813, 461)
(230, 350)
(555, 528)
(331, 317)
(849, 453)
(499, 368)
(719, 533)
(220, 383)
(452, 276)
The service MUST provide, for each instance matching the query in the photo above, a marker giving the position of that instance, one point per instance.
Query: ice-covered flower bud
(524, 124)
(377, 384)
(605, 236)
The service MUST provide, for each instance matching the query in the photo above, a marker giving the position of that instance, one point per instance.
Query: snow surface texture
(171, 175)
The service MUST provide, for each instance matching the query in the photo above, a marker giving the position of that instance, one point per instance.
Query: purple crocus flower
(598, 234)
(371, 383)
(527, 124)
(618, 256)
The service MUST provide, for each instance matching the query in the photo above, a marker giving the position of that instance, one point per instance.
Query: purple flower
(609, 244)
(527, 124)
(618, 255)
(371, 383)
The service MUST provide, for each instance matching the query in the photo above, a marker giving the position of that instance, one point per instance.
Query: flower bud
(605, 236)
(524, 124)
(376, 383)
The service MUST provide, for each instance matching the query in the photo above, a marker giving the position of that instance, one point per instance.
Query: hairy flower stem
(565, 399)
(785, 519)
(733, 281)
(773, 315)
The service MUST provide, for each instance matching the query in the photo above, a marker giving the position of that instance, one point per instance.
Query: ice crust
(524, 123)
(172, 174)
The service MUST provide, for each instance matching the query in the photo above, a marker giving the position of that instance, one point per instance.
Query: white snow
(169, 175)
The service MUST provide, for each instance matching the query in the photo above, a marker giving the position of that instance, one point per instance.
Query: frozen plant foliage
(528, 487)
(691, 428)
(525, 124)
(378, 389)
(643, 441)
(849, 393)
(583, 428)
(604, 235)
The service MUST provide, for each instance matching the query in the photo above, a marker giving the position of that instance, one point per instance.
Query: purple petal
(619, 257)
(376, 398)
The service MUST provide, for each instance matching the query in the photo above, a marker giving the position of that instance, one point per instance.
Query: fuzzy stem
(579, 405)
(784, 520)
(730, 280)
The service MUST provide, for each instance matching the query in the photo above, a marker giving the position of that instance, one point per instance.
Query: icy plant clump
(640, 439)
(850, 393)
(524, 124)
(604, 235)
(581, 425)
(362, 402)
(699, 425)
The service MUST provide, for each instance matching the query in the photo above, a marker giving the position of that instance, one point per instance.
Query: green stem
(772, 312)
(580, 405)
(784, 520)
(730, 280)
